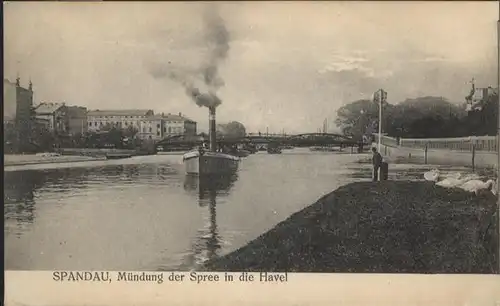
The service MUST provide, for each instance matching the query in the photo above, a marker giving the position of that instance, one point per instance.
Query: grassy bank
(384, 227)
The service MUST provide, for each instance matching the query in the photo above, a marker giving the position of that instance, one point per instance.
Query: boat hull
(274, 150)
(117, 156)
(210, 163)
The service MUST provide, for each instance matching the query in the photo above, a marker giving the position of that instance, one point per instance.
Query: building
(77, 117)
(478, 96)
(160, 126)
(152, 127)
(17, 104)
(56, 115)
(98, 119)
(9, 101)
(178, 125)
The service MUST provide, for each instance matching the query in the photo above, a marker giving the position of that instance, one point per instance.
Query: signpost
(380, 96)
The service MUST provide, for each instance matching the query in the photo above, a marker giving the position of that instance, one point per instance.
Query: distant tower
(30, 85)
(471, 94)
(18, 81)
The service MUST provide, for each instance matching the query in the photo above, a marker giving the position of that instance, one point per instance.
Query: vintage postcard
(191, 153)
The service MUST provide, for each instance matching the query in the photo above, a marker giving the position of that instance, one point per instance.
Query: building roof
(172, 117)
(154, 117)
(119, 112)
(48, 108)
(78, 111)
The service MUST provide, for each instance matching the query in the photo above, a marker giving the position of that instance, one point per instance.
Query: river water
(144, 213)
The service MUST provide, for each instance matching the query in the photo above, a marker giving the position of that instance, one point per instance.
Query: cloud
(289, 64)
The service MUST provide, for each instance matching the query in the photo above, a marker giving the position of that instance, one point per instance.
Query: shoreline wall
(483, 159)
(470, 151)
(93, 152)
(22, 160)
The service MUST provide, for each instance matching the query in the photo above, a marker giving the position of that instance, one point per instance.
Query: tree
(130, 131)
(233, 129)
(9, 137)
(43, 138)
(412, 118)
(357, 118)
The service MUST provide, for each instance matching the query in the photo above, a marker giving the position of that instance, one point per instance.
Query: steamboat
(202, 162)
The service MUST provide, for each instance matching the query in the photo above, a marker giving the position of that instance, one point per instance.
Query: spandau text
(80, 276)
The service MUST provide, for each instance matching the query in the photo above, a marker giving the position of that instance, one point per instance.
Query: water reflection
(208, 189)
(23, 188)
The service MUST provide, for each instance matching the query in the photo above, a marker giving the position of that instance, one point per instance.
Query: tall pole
(380, 120)
(380, 96)
(498, 147)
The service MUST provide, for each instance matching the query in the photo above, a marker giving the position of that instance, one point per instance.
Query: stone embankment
(21, 160)
(379, 227)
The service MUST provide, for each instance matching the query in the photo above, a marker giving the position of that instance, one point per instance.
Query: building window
(165, 129)
(150, 130)
(169, 130)
(90, 123)
(126, 123)
(158, 126)
(95, 123)
(158, 133)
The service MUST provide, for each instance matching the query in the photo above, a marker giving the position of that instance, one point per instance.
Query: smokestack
(213, 129)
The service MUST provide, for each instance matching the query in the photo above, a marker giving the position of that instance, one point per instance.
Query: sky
(289, 65)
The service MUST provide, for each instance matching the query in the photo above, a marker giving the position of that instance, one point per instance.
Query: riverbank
(384, 227)
(21, 160)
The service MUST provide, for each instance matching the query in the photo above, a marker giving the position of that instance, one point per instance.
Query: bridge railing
(480, 143)
(267, 135)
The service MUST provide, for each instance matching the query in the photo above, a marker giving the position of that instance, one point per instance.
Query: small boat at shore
(323, 149)
(273, 150)
(241, 153)
(117, 155)
(48, 154)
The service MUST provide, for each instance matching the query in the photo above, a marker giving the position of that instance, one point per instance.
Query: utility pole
(380, 96)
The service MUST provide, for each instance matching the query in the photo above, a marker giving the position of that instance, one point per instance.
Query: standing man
(377, 162)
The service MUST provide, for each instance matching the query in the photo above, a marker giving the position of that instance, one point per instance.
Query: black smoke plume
(216, 37)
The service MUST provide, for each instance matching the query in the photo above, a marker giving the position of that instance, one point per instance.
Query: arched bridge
(300, 140)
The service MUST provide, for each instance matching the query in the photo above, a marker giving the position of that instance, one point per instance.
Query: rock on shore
(383, 227)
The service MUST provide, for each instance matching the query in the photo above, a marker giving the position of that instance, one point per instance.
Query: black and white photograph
(321, 136)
